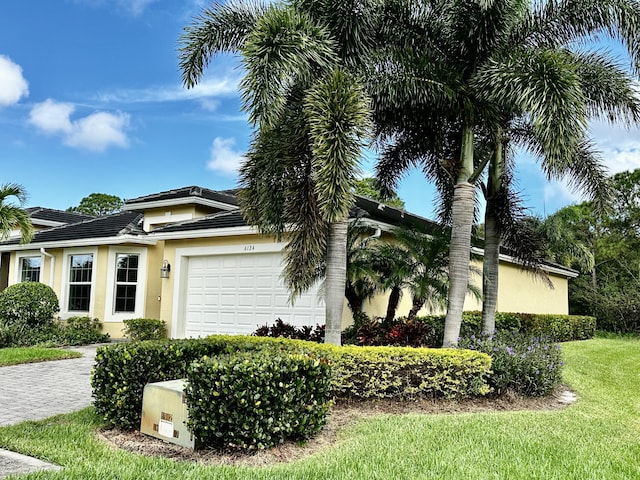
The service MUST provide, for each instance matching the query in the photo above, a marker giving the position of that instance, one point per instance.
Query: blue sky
(91, 101)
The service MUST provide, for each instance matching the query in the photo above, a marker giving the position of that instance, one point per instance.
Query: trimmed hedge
(250, 400)
(559, 328)
(405, 372)
(122, 370)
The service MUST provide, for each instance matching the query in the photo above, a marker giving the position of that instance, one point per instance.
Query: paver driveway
(35, 391)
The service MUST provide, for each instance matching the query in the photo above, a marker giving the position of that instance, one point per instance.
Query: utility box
(164, 413)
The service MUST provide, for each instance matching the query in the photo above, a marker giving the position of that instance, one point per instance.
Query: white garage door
(236, 293)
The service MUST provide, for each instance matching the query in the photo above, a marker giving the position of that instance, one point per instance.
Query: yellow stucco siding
(519, 291)
(153, 293)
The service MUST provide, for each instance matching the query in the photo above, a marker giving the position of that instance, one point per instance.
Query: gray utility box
(164, 413)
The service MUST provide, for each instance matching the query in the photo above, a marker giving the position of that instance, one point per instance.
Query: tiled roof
(215, 220)
(225, 196)
(369, 208)
(51, 215)
(100, 227)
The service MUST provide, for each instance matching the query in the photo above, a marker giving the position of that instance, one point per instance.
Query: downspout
(52, 264)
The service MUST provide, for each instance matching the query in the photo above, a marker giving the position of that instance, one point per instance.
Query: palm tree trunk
(491, 261)
(490, 267)
(353, 299)
(415, 308)
(336, 278)
(392, 305)
(462, 210)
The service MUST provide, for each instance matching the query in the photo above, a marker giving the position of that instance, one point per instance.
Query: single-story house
(187, 256)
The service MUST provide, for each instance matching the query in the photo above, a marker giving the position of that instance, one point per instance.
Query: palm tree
(457, 65)
(608, 91)
(14, 216)
(310, 117)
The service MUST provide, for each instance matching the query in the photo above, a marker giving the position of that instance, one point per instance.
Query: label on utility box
(165, 428)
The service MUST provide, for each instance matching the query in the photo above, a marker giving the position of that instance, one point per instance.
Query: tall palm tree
(13, 216)
(608, 91)
(457, 64)
(310, 117)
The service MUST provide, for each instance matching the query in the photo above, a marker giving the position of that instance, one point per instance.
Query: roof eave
(85, 242)
(563, 271)
(205, 233)
(178, 201)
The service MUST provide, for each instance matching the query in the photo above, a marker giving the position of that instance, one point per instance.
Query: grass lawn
(15, 356)
(596, 438)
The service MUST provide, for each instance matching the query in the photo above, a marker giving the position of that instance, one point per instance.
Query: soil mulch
(343, 415)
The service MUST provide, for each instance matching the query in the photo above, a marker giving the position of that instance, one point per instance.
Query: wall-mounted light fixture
(165, 269)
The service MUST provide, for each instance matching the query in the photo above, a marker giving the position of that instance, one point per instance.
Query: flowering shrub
(286, 330)
(529, 366)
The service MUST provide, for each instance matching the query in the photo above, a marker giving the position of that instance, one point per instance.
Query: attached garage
(234, 293)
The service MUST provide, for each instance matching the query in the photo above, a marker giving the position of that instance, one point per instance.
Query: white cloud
(131, 7)
(223, 157)
(559, 193)
(620, 146)
(13, 85)
(205, 90)
(95, 132)
(52, 117)
(135, 7)
(99, 131)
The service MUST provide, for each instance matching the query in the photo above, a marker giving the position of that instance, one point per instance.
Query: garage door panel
(237, 293)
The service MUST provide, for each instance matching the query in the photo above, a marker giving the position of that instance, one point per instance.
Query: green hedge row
(122, 370)
(405, 372)
(559, 328)
(250, 400)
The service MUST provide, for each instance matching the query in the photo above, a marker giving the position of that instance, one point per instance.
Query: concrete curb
(12, 463)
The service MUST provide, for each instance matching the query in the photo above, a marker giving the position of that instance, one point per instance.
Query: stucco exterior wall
(518, 291)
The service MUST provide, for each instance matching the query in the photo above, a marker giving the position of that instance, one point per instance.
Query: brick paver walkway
(35, 391)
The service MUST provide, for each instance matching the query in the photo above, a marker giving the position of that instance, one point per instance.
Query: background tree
(605, 248)
(98, 205)
(368, 187)
(14, 216)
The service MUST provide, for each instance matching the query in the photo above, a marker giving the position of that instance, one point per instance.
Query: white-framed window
(126, 283)
(80, 276)
(78, 289)
(29, 268)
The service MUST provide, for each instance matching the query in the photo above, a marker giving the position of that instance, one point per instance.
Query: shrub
(32, 304)
(529, 366)
(405, 372)
(140, 329)
(286, 330)
(73, 331)
(249, 400)
(561, 328)
(122, 370)
(82, 331)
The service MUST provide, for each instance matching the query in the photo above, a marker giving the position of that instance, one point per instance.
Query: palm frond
(337, 112)
(223, 27)
(284, 48)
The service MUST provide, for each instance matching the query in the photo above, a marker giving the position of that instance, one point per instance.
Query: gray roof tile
(100, 227)
(224, 196)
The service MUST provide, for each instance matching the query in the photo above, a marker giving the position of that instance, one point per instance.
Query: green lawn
(597, 438)
(15, 356)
